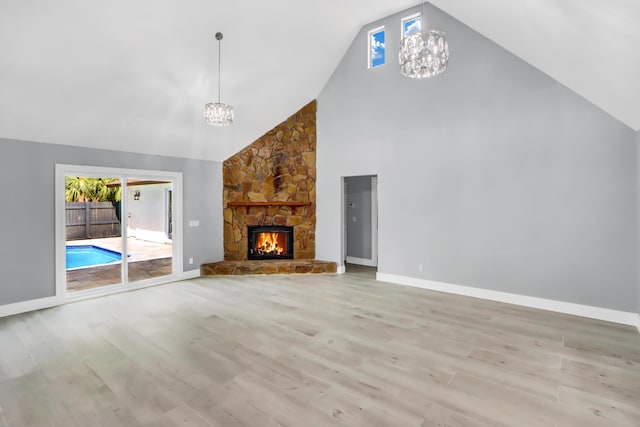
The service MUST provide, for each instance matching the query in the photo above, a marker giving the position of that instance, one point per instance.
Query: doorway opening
(360, 220)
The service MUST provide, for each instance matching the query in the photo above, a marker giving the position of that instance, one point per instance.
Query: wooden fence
(92, 220)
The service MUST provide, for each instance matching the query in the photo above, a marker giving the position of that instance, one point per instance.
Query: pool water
(89, 255)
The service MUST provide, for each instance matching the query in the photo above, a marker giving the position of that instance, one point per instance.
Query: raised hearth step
(289, 266)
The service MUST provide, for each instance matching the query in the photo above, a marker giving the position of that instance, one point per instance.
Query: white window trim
(369, 34)
(409, 18)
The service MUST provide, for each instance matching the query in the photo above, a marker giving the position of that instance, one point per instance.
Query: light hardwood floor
(312, 350)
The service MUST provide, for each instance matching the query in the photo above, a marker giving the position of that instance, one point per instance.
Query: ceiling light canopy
(423, 54)
(217, 113)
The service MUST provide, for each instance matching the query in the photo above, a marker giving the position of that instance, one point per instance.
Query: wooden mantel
(272, 203)
(292, 204)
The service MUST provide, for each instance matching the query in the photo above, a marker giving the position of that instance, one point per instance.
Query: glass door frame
(64, 170)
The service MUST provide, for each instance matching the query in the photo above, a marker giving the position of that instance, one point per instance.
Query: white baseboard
(31, 305)
(638, 324)
(341, 269)
(616, 316)
(361, 261)
(40, 303)
(191, 274)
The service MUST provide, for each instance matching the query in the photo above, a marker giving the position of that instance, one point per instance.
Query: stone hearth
(225, 268)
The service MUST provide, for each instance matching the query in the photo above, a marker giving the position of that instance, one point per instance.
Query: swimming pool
(90, 255)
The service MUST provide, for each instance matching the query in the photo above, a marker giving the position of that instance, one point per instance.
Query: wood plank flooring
(312, 350)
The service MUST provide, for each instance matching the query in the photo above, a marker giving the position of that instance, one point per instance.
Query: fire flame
(267, 244)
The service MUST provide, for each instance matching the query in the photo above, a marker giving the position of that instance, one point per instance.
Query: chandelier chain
(219, 61)
(217, 113)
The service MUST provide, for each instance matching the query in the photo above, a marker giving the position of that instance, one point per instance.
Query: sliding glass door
(115, 228)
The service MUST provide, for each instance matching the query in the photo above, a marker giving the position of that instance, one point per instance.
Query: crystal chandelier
(423, 54)
(217, 113)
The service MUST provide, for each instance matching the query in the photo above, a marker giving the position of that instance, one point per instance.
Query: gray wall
(358, 216)
(492, 174)
(638, 241)
(27, 171)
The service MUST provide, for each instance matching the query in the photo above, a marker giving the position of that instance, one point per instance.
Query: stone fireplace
(272, 183)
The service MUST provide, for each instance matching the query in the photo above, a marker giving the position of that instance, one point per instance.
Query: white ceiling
(135, 75)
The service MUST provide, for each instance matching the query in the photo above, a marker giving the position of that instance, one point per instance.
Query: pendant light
(423, 54)
(217, 113)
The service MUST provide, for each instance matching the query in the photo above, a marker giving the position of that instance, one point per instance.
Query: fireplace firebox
(270, 242)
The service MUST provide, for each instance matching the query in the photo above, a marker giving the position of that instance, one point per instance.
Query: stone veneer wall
(279, 166)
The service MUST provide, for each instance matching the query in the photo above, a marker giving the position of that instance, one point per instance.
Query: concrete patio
(145, 260)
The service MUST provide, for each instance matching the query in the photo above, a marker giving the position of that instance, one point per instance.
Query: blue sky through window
(411, 25)
(376, 46)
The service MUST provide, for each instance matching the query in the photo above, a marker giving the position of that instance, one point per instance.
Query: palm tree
(82, 189)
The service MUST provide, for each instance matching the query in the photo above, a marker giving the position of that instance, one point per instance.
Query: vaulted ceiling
(135, 75)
